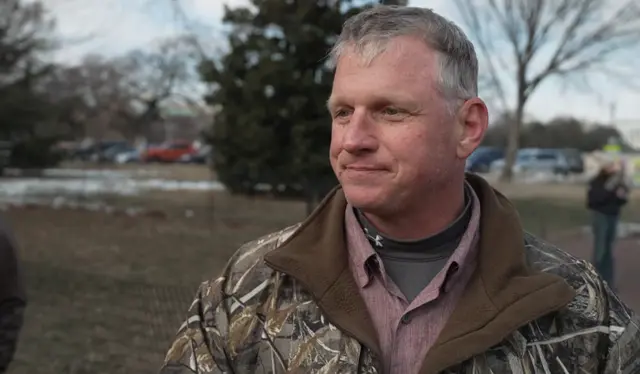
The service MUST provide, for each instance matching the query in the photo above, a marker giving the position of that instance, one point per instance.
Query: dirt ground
(108, 291)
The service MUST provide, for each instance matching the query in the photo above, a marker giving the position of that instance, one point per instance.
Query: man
(408, 266)
(12, 298)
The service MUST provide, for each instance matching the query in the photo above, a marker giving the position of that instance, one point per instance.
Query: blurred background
(141, 142)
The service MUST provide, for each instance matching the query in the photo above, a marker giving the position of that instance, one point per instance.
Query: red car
(168, 152)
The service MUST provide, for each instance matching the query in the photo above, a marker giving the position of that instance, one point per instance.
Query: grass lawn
(546, 210)
(108, 291)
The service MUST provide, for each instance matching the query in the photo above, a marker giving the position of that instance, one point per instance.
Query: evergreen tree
(271, 88)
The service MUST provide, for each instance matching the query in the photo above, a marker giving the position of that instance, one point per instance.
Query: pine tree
(271, 87)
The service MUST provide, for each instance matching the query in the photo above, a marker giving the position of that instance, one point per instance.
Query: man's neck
(430, 216)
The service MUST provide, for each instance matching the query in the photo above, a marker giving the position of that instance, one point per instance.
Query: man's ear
(473, 119)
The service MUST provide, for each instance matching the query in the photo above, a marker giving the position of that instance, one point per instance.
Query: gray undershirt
(413, 264)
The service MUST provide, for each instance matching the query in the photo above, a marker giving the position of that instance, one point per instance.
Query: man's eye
(340, 113)
(391, 111)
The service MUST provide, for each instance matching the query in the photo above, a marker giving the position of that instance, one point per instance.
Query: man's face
(394, 138)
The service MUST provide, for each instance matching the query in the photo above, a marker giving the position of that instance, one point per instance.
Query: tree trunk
(515, 126)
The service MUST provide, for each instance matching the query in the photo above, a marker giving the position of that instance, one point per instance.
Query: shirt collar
(365, 262)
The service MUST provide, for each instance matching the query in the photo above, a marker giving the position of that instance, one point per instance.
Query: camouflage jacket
(287, 303)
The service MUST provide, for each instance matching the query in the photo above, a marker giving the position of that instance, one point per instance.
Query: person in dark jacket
(12, 297)
(607, 194)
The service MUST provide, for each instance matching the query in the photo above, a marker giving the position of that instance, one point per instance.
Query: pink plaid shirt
(406, 331)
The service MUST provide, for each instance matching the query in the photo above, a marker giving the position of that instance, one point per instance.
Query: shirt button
(405, 319)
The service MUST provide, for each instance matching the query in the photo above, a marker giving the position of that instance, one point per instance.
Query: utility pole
(612, 113)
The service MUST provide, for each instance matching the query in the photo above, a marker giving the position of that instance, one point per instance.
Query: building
(179, 121)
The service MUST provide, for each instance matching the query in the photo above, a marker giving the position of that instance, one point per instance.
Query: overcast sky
(111, 27)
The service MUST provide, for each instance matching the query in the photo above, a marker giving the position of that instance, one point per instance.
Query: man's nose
(359, 135)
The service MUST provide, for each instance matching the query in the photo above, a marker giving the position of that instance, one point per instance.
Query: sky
(112, 27)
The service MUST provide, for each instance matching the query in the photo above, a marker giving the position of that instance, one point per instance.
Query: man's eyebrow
(334, 101)
(331, 102)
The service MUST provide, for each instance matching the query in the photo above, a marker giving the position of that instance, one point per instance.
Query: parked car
(168, 152)
(127, 157)
(200, 156)
(480, 160)
(95, 152)
(112, 152)
(575, 162)
(552, 161)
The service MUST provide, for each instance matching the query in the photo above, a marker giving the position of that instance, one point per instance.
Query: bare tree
(122, 96)
(92, 97)
(200, 33)
(25, 39)
(152, 77)
(523, 43)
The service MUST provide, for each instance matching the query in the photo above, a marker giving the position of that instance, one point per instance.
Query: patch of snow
(82, 173)
(95, 173)
(87, 187)
(81, 189)
(176, 185)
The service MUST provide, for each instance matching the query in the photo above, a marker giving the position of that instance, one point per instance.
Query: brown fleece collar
(502, 295)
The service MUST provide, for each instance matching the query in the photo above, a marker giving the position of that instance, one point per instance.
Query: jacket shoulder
(246, 268)
(216, 318)
(596, 325)
(595, 303)
(548, 258)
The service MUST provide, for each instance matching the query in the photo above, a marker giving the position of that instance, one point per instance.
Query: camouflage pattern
(595, 333)
(256, 320)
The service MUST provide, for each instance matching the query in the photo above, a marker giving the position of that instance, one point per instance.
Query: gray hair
(369, 32)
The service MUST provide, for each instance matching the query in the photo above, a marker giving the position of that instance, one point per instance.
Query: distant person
(410, 265)
(12, 298)
(608, 193)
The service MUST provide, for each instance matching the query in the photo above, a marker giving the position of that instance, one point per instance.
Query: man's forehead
(391, 70)
(387, 78)
(405, 50)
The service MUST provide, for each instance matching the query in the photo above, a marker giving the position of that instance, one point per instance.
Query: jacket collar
(316, 255)
(502, 295)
